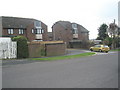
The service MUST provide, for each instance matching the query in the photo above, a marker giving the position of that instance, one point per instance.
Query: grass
(115, 50)
(65, 57)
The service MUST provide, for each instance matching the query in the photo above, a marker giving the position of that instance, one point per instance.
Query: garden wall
(46, 48)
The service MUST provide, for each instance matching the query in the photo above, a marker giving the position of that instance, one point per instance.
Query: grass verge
(65, 57)
(115, 50)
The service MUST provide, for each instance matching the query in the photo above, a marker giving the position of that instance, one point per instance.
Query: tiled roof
(15, 22)
(67, 24)
(83, 29)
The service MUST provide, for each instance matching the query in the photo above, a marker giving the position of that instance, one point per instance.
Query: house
(32, 29)
(50, 36)
(73, 34)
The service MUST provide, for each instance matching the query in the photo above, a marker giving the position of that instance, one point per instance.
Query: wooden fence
(8, 48)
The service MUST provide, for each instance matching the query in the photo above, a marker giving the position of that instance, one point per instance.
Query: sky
(88, 13)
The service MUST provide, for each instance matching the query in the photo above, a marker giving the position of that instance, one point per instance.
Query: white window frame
(42, 31)
(74, 26)
(21, 31)
(10, 31)
(38, 31)
(32, 30)
(36, 24)
(75, 31)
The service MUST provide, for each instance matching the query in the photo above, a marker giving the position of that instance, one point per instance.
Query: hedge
(22, 46)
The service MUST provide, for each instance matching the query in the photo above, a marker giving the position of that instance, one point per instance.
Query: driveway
(75, 51)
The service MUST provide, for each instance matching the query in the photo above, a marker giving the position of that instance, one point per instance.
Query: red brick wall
(34, 50)
(55, 49)
(60, 33)
(30, 35)
(45, 34)
(49, 49)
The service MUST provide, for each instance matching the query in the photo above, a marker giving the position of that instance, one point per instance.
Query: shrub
(22, 46)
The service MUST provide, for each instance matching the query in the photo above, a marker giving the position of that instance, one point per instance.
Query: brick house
(32, 29)
(50, 36)
(73, 34)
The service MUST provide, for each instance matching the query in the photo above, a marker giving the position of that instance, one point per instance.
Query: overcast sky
(88, 13)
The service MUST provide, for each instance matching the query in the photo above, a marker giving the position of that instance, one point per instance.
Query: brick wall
(34, 50)
(48, 48)
(60, 33)
(45, 34)
(55, 49)
(29, 34)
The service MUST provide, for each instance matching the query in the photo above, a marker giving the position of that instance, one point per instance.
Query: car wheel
(100, 50)
(91, 50)
(106, 51)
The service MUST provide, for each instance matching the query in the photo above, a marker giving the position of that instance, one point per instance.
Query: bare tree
(113, 32)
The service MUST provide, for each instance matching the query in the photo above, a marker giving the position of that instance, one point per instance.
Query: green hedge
(22, 47)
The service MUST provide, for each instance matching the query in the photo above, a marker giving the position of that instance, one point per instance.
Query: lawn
(65, 57)
(115, 50)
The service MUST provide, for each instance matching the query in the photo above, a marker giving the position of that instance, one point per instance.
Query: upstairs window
(74, 26)
(21, 31)
(39, 31)
(10, 31)
(32, 30)
(37, 24)
(75, 31)
(42, 31)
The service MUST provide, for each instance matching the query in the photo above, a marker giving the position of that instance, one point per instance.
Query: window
(75, 31)
(106, 46)
(32, 30)
(10, 31)
(74, 26)
(42, 31)
(97, 46)
(21, 31)
(37, 24)
(39, 31)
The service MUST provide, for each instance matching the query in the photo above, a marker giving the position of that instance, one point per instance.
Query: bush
(108, 41)
(22, 46)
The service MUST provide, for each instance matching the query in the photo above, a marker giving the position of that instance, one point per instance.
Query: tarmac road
(98, 71)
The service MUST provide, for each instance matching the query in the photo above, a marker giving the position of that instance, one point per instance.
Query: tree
(108, 41)
(113, 32)
(22, 47)
(102, 32)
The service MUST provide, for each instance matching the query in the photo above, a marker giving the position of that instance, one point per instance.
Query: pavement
(98, 71)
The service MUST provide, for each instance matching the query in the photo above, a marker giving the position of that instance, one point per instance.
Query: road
(98, 71)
